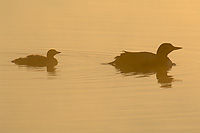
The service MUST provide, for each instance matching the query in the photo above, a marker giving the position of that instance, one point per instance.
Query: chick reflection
(146, 63)
(40, 61)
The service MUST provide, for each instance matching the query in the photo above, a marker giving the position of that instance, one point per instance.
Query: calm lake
(82, 94)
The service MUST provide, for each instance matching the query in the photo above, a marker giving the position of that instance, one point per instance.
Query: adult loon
(145, 60)
(38, 60)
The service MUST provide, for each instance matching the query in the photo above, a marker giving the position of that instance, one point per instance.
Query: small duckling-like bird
(145, 60)
(38, 60)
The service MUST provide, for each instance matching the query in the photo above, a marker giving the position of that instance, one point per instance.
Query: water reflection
(162, 76)
(51, 70)
(164, 79)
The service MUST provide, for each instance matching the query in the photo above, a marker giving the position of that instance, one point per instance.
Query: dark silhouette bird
(145, 61)
(38, 60)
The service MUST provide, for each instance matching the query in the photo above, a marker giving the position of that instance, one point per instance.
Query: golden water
(84, 96)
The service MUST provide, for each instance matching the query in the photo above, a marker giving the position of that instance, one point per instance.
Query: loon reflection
(147, 63)
(39, 61)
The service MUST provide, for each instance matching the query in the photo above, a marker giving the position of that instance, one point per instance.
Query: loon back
(137, 59)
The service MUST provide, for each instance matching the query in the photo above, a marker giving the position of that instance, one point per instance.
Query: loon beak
(176, 48)
(58, 52)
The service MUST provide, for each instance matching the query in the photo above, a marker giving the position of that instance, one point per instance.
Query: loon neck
(162, 55)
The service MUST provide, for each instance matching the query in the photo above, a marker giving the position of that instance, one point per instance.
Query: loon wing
(135, 59)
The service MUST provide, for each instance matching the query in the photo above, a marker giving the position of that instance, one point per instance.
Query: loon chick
(38, 60)
(145, 60)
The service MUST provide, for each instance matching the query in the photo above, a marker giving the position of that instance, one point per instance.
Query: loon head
(165, 48)
(51, 53)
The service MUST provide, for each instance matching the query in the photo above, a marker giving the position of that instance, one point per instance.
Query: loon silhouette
(38, 60)
(136, 61)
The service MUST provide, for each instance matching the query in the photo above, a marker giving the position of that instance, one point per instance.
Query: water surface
(84, 96)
